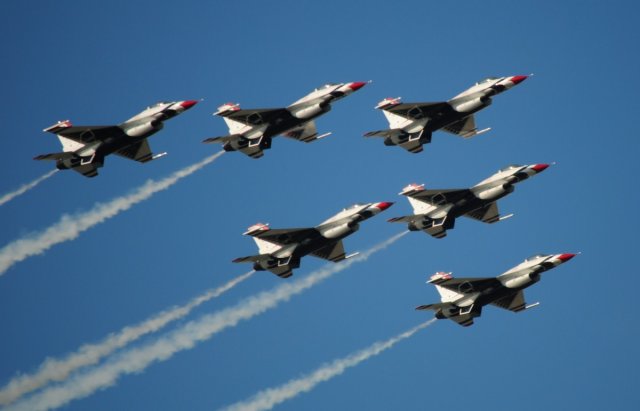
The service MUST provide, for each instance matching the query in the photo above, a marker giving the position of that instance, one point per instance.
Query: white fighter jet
(281, 249)
(251, 130)
(412, 124)
(85, 147)
(463, 298)
(436, 210)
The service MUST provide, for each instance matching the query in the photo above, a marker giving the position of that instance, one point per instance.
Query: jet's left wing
(487, 214)
(138, 152)
(464, 128)
(513, 302)
(332, 252)
(306, 133)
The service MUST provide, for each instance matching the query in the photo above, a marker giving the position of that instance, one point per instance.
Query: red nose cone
(540, 167)
(356, 85)
(384, 205)
(518, 79)
(188, 104)
(566, 257)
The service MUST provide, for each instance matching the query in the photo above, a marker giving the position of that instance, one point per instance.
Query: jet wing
(286, 236)
(513, 302)
(417, 111)
(487, 214)
(138, 152)
(438, 197)
(306, 133)
(468, 285)
(88, 134)
(255, 117)
(332, 252)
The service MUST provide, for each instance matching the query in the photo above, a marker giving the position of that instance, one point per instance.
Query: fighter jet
(251, 131)
(281, 249)
(463, 298)
(412, 124)
(436, 210)
(85, 147)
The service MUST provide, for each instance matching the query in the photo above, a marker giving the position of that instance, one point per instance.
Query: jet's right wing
(256, 117)
(417, 111)
(285, 236)
(438, 197)
(87, 134)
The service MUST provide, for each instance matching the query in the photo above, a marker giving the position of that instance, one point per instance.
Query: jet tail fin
(60, 125)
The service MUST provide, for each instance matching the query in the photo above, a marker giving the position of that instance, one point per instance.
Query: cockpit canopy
(487, 80)
(535, 257)
(509, 167)
(328, 85)
(352, 207)
(159, 103)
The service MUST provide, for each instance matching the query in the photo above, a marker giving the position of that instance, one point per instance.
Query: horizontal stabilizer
(391, 132)
(55, 156)
(222, 139)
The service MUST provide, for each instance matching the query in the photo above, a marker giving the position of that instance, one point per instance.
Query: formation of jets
(411, 125)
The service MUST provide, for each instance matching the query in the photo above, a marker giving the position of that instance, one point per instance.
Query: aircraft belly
(284, 126)
(467, 205)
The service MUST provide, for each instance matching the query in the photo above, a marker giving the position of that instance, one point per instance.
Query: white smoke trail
(267, 399)
(70, 227)
(89, 354)
(186, 337)
(26, 187)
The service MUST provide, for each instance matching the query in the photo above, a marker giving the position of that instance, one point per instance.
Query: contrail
(70, 227)
(267, 399)
(89, 354)
(186, 337)
(26, 187)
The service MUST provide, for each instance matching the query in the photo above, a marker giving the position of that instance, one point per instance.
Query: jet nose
(566, 257)
(383, 205)
(357, 85)
(187, 104)
(538, 168)
(518, 79)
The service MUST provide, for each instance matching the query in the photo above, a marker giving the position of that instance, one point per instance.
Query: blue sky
(103, 63)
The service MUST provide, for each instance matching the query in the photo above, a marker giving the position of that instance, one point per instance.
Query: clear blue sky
(100, 63)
